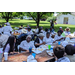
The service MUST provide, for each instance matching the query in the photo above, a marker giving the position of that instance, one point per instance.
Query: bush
(51, 18)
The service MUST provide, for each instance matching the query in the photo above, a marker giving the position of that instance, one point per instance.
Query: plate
(49, 53)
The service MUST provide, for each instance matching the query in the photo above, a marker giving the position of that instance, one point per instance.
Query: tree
(37, 16)
(10, 15)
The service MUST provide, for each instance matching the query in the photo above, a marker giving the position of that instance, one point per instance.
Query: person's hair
(10, 41)
(70, 50)
(47, 33)
(46, 29)
(21, 25)
(59, 51)
(59, 31)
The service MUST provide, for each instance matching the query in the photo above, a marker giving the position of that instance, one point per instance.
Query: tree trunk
(38, 19)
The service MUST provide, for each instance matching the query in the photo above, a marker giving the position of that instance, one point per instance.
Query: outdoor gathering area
(37, 37)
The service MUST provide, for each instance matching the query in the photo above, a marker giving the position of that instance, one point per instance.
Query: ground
(44, 24)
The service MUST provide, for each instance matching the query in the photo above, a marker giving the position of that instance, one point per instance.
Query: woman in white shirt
(25, 45)
(58, 37)
(9, 46)
(48, 39)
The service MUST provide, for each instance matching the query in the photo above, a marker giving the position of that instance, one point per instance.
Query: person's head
(11, 40)
(41, 35)
(29, 28)
(21, 25)
(47, 34)
(59, 33)
(0, 26)
(36, 27)
(70, 50)
(59, 51)
(67, 29)
(46, 30)
(60, 28)
(28, 38)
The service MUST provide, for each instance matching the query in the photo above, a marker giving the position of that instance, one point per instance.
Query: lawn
(32, 23)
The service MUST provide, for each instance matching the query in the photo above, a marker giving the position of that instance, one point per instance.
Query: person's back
(59, 54)
(7, 30)
(70, 51)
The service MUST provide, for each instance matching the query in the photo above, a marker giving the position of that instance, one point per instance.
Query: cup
(0, 57)
(49, 46)
(5, 56)
(58, 42)
(34, 54)
(30, 50)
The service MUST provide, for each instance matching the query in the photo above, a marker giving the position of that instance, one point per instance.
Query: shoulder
(23, 41)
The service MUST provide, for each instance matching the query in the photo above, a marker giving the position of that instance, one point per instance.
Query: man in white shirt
(59, 37)
(7, 29)
(25, 45)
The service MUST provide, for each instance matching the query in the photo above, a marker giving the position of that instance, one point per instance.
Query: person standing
(7, 29)
(52, 24)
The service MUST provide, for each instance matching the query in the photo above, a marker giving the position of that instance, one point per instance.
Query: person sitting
(23, 34)
(29, 31)
(26, 44)
(7, 29)
(67, 31)
(70, 51)
(39, 40)
(3, 38)
(58, 37)
(20, 30)
(48, 39)
(36, 30)
(51, 30)
(1, 29)
(22, 26)
(61, 29)
(59, 54)
(10, 45)
(46, 30)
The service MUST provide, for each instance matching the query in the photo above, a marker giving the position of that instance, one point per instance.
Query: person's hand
(54, 41)
(43, 43)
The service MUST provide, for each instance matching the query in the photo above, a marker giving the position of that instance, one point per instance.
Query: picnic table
(42, 57)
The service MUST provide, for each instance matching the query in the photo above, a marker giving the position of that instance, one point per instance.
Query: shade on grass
(32, 23)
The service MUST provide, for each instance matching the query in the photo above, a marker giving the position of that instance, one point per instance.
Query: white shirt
(58, 37)
(36, 30)
(1, 30)
(20, 31)
(4, 38)
(7, 29)
(63, 59)
(25, 45)
(48, 40)
(29, 33)
(67, 33)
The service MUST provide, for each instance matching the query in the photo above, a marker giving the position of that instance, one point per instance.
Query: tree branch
(31, 16)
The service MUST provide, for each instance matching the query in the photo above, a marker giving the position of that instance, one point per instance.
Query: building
(66, 19)
(27, 18)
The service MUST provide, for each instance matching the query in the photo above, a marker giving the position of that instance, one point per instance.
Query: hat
(20, 27)
(28, 36)
(41, 34)
(67, 28)
(61, 27)
(8, 24)
(24, 31)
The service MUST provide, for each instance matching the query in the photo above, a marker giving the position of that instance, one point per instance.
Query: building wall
(71, 19)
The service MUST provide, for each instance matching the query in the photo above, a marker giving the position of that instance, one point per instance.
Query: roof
(67, 14)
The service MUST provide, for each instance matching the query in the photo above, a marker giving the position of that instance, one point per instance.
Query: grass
(32, 23)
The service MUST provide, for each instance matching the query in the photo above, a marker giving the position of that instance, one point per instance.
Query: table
(71, 36)
(42, 57)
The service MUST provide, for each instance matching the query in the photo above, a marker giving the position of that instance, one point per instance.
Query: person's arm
(38, 44)
(22, 49)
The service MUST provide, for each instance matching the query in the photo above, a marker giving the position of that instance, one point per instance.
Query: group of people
(34, 38)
